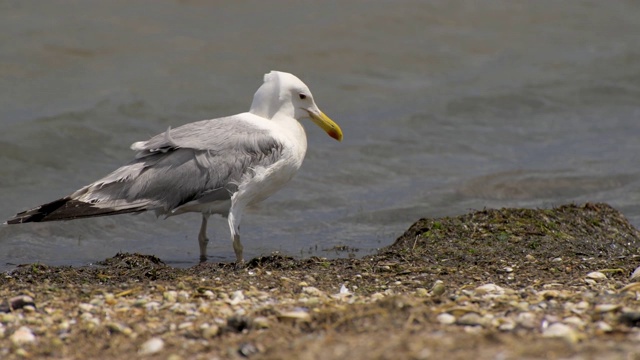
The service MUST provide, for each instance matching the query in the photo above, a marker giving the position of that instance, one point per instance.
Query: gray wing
(202, 162)
(215, 136)
(205, 159)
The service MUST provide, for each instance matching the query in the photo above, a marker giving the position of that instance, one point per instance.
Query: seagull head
(284, 94)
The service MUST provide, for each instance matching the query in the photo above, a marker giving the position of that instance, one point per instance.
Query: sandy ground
(493, 284)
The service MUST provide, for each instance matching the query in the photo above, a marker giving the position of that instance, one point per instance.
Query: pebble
(635, 276)
(261, 322)
(294, 316)
(119, 328)
(603, 326)
(152, 305)
(170, 296)
(84, 307)
(506, 324)
(151, 346)
(575, 321)
(489, 289)
(236, 297)
(438, 288)
(446, 319)
(183, 296)
(527, 320)
(23, 335)
(596, 275)
(604, 308)
(560, 330)
(210, 331)
(310, 290)
(471, 319)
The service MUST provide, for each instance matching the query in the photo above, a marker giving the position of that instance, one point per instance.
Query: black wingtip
(67, 209)
(39, 213)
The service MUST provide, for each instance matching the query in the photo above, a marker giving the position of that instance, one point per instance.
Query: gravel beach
(508, 284)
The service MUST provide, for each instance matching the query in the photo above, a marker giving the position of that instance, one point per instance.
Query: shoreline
(511, 282)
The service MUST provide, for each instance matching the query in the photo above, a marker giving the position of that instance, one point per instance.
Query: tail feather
(69, 209)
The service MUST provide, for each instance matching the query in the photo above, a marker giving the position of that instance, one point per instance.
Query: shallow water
(446, 106)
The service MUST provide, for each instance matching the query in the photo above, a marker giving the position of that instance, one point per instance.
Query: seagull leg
(202, 238)
(234, 225)
(237, 247)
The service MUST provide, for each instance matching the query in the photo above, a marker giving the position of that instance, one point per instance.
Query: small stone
(152, 305)
(248, 349)
(110, 299)
(508, 269)
(604, 308)
(560, 330)
(183, 296)
(603, 326)
(530, 258)
(471, 319)
(507, 324)
(7, 318)
(151, 346)
(446, 319)
(115, 327)
(310, 290)
(344, 290)
(22, 353)
(261, 322)
(438, 288)
(170, 296)
(210, 332)
(84, 307)
(236, 297)
(140, 303)
(596, 275)
(558, 259)
(489, 289)
(635, 276)
(23, 335)
(575, 321)
(422, 292)
(294, 316)
(591, 282)
(527, 320)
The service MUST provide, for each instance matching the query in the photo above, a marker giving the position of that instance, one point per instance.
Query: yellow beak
(328, 125)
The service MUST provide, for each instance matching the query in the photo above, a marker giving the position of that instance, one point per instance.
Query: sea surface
(446, 106)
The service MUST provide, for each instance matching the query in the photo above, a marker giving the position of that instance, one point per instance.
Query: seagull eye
(302, 96)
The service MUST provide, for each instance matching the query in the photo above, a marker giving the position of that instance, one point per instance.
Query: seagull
(217, 166)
